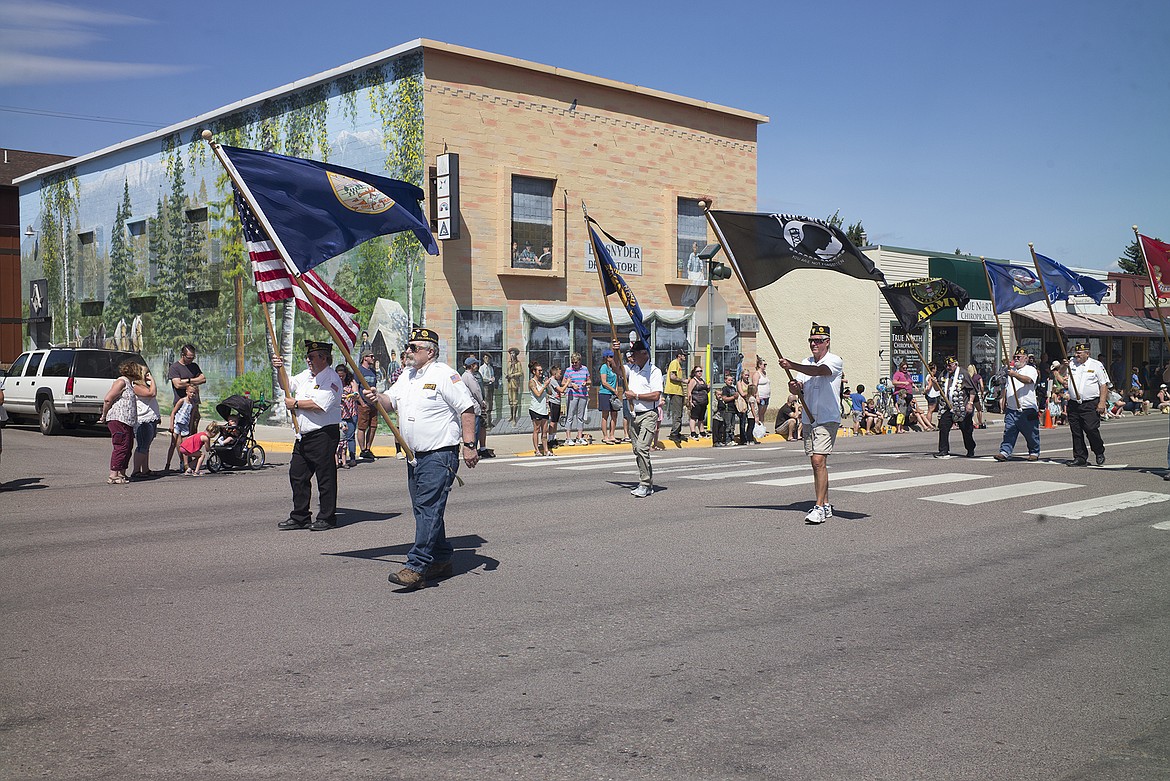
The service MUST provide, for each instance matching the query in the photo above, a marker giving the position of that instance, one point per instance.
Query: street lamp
(30, 232)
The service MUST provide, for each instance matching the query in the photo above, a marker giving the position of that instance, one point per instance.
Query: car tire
(214, 462)
(47, 418)
(255, 457)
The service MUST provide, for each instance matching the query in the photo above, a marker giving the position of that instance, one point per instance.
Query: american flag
(275, 283)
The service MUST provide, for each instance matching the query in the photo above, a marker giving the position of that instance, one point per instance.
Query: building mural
(141, 249)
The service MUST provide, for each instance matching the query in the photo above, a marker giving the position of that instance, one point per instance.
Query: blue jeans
(1016, 422)
(429, 481)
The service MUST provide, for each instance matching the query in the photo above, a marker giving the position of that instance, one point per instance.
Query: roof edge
(374, 59)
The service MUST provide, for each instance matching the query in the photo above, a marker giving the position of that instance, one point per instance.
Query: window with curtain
(691, 237)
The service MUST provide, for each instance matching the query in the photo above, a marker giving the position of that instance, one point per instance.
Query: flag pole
(281, 374)
(275, 239)
(1052, 313)
(621, 375)
(999, 330)
(705, 205)
(1153, 286)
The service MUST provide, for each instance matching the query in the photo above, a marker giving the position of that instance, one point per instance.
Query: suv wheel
(49, 423)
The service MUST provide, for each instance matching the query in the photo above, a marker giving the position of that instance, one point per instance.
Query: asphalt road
(165, 629)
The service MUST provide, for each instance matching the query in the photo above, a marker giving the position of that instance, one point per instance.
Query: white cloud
(50, 28)
(22, 69)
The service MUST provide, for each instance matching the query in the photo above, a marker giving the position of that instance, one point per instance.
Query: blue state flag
(612, 282)
(319, 210)
(1013, 287)
(1069, 282)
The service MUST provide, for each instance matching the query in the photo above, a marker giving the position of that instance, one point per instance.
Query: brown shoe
(407, 578)
(1033, 457)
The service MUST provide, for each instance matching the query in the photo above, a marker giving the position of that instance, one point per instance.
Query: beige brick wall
(628, 153)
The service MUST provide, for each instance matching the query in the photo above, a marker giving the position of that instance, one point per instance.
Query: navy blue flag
(1069, 282)
(320, 210)
(613, 283)
(1014, 287)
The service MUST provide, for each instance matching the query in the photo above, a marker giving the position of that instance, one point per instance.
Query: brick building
(151, 251)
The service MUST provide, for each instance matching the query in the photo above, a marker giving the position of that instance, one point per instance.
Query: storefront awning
(1148, 323)
(1085, 325)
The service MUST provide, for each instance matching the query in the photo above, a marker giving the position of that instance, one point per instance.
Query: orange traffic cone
(1048, 417)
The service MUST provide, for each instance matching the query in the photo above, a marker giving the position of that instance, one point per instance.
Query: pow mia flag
(915, 300)
(768, 246)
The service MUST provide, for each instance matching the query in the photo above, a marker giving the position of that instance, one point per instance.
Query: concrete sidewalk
(279, 439)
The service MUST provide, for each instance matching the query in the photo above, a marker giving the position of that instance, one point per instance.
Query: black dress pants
(1084, 421)
(966, 425)
(315, 453)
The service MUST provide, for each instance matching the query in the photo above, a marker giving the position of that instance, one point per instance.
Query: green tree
(1131, 261)
(855, 232)
(121, 266)
(172, 314)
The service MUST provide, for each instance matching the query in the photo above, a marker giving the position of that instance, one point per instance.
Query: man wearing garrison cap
(1088, 392)
(959, 405)
(316, 403)
(437, 416)
(1021, 411)
(822, 412)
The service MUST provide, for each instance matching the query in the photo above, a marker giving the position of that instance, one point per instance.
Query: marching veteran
(1088, 392)
(643, 382)
(821, 416)
(437, 416)
(316, 403)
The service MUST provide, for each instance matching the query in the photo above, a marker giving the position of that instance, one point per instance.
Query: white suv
(62, 386)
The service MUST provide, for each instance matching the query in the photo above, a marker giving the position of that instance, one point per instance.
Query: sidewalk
(279, 439)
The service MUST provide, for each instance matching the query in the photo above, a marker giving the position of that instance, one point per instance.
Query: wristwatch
(470, 445)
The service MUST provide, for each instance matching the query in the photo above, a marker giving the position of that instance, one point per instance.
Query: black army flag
(916, 300)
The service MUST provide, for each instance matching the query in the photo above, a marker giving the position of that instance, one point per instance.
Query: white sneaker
(828, 511)
(570, 442)
(642, 491)
(400, 456)
(816, 515)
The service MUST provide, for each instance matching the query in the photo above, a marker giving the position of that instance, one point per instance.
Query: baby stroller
(239, 414)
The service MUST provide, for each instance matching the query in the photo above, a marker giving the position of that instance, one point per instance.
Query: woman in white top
(763, 386)
(146, 398)
(120, 414)
(538, 386)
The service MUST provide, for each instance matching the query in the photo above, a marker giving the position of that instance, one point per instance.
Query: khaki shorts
(366, 417)
(819, 439)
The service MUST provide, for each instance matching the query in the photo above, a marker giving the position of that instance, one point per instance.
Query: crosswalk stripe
(910, 482)
(1002, 492)
(833, 476)
(669, 468)
(764, 470)
(675, 460)
(1101, 504)
(1163, 525)
(559, 460)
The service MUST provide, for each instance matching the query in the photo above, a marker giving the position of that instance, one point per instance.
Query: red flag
(1158, 259)
(275, 283)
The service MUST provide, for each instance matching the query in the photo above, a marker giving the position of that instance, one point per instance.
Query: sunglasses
(817, 341)
(415, 347)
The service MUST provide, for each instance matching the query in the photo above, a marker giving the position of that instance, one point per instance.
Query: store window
(549, 344)
(726, 356)
(985, 351)
(691, 237)
(479, 333)
(668, 339)
(532, 224)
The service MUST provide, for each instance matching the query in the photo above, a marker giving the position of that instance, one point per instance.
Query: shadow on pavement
(22, 484)
(465, 558)
(801, 507)
(348, 517)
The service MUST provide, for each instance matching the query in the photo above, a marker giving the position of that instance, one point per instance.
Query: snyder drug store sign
(628, 258)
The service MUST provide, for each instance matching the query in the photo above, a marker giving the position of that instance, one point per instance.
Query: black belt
(327, 427)
(448, 449)
(1083, 401)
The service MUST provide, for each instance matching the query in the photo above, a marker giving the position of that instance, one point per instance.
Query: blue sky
(939, 125)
